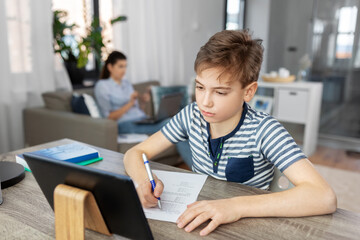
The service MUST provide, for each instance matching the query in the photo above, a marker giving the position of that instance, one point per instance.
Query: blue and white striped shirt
(247, 155)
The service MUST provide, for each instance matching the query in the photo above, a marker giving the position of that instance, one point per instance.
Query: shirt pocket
(239, 169)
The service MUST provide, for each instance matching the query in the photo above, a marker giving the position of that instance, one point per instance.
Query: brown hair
(112, 59)
(235, 53)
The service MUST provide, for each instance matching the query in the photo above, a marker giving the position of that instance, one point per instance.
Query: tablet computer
(115, 194)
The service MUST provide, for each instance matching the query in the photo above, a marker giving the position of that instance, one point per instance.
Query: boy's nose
(207, 102)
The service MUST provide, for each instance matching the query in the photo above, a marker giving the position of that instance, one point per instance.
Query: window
(235, 14)
(19, 38)
(345, 32)
(81, 14)
(106, 15)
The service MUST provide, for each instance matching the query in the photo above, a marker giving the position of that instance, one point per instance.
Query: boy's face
(221, 101)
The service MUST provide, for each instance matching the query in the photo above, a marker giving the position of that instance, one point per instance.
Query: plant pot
(76, 74)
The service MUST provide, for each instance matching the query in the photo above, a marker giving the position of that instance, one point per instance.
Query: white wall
(162, 38)
(257, 17)
(201, 20)
(281, 24)
(289, 26)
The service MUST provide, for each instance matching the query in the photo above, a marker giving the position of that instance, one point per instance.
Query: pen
(152, 181)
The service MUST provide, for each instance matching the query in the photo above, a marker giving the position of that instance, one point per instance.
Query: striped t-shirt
(246, 155)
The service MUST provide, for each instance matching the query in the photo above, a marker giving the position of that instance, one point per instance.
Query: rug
(345, 184)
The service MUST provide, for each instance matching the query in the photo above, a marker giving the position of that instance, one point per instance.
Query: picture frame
(262, 103)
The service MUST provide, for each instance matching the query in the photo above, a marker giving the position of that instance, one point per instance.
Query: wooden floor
(336, 158)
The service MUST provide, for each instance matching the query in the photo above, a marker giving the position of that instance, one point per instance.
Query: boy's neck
(223, 128)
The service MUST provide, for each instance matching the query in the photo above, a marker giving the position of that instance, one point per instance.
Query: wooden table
(26, 214)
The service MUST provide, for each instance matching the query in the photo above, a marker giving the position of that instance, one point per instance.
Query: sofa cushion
(78, 104)
(59, 100)
(91, 105)
(85, 104)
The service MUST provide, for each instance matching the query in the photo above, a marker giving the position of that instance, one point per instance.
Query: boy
(230, 141)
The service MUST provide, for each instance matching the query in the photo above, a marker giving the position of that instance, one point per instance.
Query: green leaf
(118, 19)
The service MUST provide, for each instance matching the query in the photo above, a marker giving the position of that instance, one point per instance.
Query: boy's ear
(250, 91)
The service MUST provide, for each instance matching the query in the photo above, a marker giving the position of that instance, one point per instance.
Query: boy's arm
(310, 196)
(135, 168)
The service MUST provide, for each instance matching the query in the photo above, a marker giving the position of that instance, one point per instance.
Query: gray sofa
(56, 121)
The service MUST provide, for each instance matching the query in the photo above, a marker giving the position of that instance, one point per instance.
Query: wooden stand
(76, 209)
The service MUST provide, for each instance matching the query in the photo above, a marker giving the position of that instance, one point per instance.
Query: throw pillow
(59, 100)
(78, 104)
(85, 104)
(91, 105)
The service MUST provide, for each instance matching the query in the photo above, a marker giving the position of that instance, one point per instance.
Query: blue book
(73, 152)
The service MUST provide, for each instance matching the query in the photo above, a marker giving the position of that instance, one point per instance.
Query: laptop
(170, 104)
(115, 194)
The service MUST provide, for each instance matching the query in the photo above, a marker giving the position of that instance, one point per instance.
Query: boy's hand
(147, 197)
(217, 211)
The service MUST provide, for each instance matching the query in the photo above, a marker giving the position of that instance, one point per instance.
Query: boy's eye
(221, 93)
(199, 87)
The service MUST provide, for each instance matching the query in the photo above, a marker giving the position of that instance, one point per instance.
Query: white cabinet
(300, 103)
(292, 105)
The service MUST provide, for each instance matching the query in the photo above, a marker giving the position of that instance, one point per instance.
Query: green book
(87, 162)
(20, 159)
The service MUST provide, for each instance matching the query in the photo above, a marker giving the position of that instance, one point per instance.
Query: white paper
(180, 189)
(131, 138)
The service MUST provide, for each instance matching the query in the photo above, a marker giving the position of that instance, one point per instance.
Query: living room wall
(161, 38)
(257, 18)
(28, 66)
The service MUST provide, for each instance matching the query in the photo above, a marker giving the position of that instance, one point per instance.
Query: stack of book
(74, 152)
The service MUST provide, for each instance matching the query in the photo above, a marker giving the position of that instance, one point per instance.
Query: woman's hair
(112, 59)
(235, 53)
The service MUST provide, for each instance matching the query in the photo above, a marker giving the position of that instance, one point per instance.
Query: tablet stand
(76, 209)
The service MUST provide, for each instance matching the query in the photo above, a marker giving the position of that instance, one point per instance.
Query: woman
(117, 99)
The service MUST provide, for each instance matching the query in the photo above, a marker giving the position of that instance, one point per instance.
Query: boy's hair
(235, 53)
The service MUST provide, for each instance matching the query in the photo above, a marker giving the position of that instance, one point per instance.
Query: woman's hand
(115, 115)
(147, 197)
(134, 96)
(217, 211)
(146, 97)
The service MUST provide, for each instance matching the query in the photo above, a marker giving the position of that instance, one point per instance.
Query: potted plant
(94, 43)
(75, 49)
(67, 46)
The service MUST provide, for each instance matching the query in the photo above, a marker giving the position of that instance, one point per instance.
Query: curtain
(28, 66)
(161, 38)
(150, 39)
